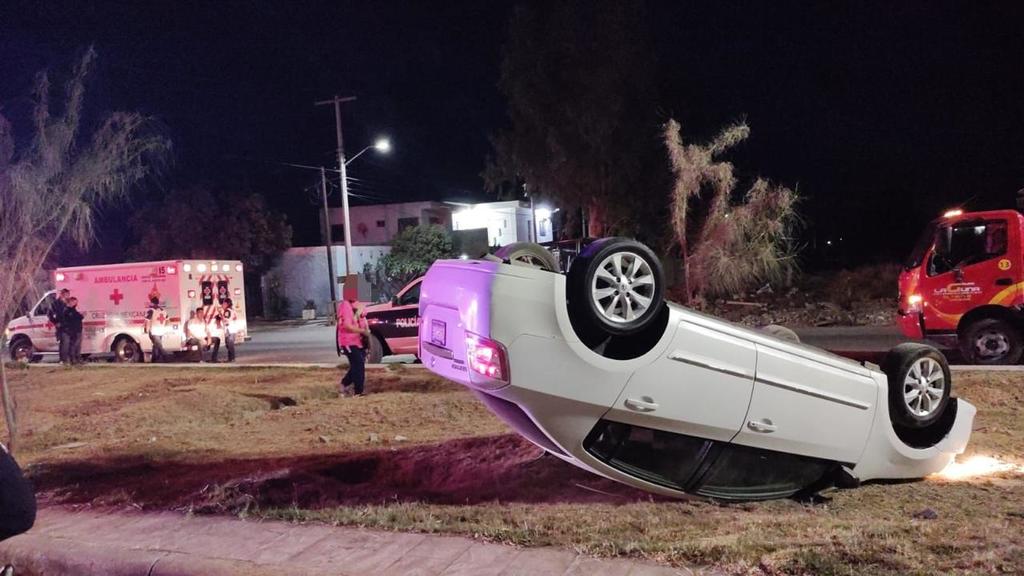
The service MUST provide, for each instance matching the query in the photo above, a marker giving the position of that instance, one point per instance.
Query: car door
(42, 332)
(700, 388)
(400, 323)
(809, 405)
(975, 270)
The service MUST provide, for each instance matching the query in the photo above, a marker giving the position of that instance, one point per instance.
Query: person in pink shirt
(352, 332)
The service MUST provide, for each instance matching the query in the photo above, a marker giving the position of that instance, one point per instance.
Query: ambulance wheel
(375, 351)
(528, 254)
(616, 285)
(22, 350)
(126, 350)
(919, 384)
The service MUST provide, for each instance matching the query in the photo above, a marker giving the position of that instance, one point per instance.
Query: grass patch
(118, 436)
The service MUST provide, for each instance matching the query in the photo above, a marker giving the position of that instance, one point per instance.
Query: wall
(301, 274)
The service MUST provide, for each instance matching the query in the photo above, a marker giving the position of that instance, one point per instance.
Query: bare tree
(726, 246)
(51, 188)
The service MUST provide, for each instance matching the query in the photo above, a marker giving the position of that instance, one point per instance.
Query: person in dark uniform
(55, 316)
(227, 322)
(71, 323)
(156, 320)
(17, 500)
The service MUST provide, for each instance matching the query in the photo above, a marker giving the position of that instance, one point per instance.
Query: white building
(378, 224)
(506, 222)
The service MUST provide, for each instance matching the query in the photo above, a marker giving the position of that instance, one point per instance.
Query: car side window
(657, 456)
(970, 243)
(410, 296)
(44, 306)
(744, 473)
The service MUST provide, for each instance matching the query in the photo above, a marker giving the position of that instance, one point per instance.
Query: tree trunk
(8, 404)
(684, 282)
(595, 220)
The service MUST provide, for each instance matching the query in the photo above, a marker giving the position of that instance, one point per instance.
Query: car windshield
(924, 242)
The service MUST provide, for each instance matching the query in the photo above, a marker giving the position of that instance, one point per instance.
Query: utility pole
(330, 243)
(337, 101)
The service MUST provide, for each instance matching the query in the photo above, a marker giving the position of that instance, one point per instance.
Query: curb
(43, 556)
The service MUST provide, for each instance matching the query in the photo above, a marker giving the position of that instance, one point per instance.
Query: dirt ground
(421, 454)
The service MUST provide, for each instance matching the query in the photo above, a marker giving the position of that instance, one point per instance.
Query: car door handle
(763, 425)
(644, 404)
(1004, 281)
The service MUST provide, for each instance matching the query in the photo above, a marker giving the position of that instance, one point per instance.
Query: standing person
(71, 322)
(55, 316)
(156, 326)
(352, 328)
(227, 319)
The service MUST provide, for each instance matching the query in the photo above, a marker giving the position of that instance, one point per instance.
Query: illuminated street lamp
(382, 145)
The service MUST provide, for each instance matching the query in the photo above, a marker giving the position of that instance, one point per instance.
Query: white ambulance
(114, 299)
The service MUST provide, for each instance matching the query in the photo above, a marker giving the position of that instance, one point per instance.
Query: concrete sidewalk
(115, 544)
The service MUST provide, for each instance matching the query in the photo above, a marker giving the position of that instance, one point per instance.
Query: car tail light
(488, 361)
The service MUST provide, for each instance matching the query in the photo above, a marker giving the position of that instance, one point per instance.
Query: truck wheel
(616, 284)
(375, 353)
(126, 350)
(991, 341)
(919, 384)
(528, 254)
(23, 351)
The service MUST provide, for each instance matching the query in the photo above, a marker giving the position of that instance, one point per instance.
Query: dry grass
(199, 415)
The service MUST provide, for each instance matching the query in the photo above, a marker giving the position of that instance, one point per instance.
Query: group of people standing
(67, 322)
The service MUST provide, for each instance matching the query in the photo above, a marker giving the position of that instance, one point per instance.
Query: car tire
(528, 254)
(919, 384)
(781, 332)
(616, 285)
(991, 341)
(375, 351)
(126, 350)
(22, 350)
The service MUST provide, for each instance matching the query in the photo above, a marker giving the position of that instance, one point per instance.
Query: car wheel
(375, 353)
(528, 254)
(991, 341)
(126, 350)
(21, 350)
(919, 384)
(780, 332)
(616, 284)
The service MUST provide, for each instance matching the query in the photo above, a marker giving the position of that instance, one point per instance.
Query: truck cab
(962, 285)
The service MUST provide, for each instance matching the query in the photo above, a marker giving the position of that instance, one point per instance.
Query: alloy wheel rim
(924, 387)
(622, 289)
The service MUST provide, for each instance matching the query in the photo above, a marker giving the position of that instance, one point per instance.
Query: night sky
(883, 115)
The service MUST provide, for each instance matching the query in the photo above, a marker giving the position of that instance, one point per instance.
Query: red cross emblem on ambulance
(116, 297)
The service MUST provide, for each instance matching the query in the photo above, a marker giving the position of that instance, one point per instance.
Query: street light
(382, 145)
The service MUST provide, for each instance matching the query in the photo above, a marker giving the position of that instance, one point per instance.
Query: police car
(394, 325)
(596, 368)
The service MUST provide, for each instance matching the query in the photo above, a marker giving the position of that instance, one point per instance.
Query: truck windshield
(924, 242)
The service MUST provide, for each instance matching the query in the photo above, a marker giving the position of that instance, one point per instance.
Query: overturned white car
(596, 368)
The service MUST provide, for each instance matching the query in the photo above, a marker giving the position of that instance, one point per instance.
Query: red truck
(963, 285)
